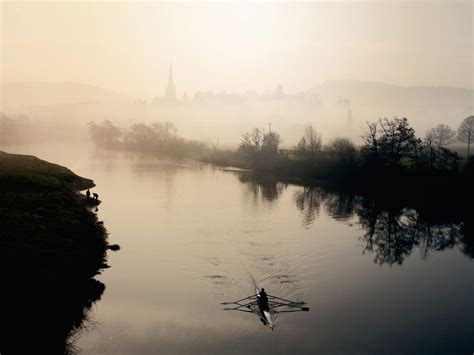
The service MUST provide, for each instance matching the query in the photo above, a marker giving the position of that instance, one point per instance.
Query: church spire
(170, 76)
(170, 93)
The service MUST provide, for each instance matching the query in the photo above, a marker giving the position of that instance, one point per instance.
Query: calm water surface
(193, 236)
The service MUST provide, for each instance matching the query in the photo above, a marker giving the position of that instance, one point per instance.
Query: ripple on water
(219, 280)
(213, 260)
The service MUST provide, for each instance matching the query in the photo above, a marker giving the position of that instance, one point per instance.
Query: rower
(265, 306)
(263, 297)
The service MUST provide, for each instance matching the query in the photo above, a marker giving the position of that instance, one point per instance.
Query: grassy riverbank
(393, 159)
(51, 247)
(44, 221)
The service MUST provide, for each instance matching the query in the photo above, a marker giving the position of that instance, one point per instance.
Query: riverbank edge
(392, 188)
(30, 187)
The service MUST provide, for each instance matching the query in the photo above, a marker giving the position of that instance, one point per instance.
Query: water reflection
(44, 315)
(341, 205)
(262, 187)
(391, 231)
(393, 234)
(309, 201)
(47, 292)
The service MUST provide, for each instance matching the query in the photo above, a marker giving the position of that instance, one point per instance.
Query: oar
(278, 304)
(239, 305)
(246, 298)
(281, 304)
(237, 309)
(279, 298)
(302, 309)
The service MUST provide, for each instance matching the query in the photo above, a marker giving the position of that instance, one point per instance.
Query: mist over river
(193, 236)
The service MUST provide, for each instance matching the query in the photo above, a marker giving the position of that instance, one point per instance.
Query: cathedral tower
(170, 92)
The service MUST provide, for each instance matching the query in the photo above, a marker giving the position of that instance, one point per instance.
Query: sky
(128, 46)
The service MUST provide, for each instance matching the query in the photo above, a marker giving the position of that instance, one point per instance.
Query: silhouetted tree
(429, 150)
(398, 140)
(141, 135)
(251, 142)
(440, 135)
(435, 156)
(391, 141)
(164, 131)
(260, 149)
(270, 144)
(105, 133)
(310, 145)
(465, 132)
(447, 159)
(157, 137)
(371, 137)
(342, 150)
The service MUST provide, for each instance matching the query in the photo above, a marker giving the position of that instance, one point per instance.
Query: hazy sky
(237, 46)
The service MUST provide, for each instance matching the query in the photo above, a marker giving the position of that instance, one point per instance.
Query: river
(193, 236)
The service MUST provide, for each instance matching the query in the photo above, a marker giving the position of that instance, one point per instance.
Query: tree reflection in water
(44, 315)
(391, 232)
(338, 205)
(309, 203)
(42, 307)
(262, 187)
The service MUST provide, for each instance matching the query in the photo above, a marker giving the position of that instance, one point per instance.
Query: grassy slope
(44, 224)
(51, 246)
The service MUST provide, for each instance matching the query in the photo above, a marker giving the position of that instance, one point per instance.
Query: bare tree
(105, 133)
(251, 141)
(342, 149)
(310, 144)
(371, 137)
(213, 144)
(465, 132)
(440, 135)
(398, 140)
(371, 140)
(164, 131)
(390, 141)
(271, 141)
(141, 135)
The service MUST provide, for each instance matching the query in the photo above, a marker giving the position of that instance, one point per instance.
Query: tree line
(391, 150)
(157, 137)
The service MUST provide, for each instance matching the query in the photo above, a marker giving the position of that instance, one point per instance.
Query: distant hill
(364, 93)
(17, 94)
(424, 106)
(336, 108)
